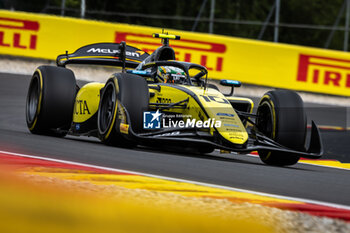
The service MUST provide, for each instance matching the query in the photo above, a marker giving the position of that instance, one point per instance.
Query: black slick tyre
(281, 117)
(130, 91)
(50, 101)
(206, 150)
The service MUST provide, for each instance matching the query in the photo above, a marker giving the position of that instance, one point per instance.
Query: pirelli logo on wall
(324, 71)
(208, 54)
(18, 33)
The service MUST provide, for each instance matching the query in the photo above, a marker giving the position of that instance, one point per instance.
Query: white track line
(309, 201)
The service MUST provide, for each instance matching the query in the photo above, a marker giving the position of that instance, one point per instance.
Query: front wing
(192, 137)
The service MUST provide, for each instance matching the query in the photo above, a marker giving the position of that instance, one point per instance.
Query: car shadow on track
(234, 158)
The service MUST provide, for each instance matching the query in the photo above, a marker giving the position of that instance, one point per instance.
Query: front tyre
(281, 117)
(126, 90)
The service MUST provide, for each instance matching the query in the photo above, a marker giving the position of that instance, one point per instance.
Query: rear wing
(111, 54)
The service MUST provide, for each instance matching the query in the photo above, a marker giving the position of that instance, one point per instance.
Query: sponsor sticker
(231, 125)
(112, 51)
(151, 120)
(157, 120)
(191, 123)
(124, 128)
(225, 114)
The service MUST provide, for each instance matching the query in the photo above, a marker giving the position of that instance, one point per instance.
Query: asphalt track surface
(238, 171)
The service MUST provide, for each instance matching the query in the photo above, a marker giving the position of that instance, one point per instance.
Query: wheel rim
(265, 125)
(265, 119)
(33, 99)
(108, 103)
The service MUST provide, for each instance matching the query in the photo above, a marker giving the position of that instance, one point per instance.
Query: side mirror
(230, 83)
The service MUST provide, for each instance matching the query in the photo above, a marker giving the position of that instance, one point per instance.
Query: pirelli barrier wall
(250, 61)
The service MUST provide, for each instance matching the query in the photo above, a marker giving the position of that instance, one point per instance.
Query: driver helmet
(171, 74)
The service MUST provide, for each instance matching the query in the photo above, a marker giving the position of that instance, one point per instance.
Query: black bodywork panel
(104, 54)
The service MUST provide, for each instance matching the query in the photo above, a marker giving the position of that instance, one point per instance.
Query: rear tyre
(50, 101)
(281, 117)
(132, 92)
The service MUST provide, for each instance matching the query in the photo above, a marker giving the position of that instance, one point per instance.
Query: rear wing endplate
(111, 54)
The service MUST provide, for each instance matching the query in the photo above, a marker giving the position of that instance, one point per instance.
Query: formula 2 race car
(158, 101)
